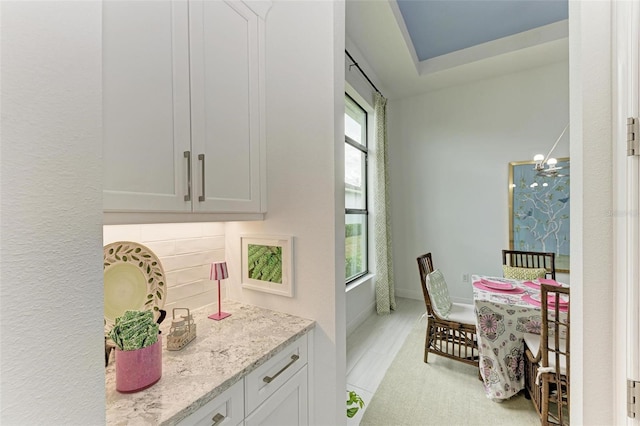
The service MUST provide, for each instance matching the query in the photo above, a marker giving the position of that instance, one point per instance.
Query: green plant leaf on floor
(354, 399)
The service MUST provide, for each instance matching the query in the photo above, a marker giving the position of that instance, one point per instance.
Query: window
(355, 190)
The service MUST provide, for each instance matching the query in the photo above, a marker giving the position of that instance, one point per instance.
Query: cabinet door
(145, 105)
(287, 406)
(226, 105)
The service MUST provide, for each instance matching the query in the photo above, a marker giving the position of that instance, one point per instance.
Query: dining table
(505, 309)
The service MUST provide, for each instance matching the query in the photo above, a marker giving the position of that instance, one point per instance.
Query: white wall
(305, 108)
(449, 163)
(51, 312)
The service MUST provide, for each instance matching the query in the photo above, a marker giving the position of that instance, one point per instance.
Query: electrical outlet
(465, 278)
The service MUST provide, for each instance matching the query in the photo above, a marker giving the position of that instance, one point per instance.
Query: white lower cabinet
(226, 409)
(274, 394)
(287, 406)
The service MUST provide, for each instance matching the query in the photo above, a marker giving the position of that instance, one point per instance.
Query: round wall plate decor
(133, 280)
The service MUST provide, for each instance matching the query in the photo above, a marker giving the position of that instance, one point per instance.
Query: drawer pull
(294, 358)
(187, 155)
(217, 419)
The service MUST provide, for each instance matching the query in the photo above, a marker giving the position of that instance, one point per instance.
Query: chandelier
(547, 166)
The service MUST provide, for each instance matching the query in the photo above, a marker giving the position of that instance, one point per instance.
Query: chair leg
(427, 341)
(544, 403)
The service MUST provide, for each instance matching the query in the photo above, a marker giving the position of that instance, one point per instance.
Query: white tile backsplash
(186, 251)
(162, 248)
(195, 245)
(191, 260)
(188, 275)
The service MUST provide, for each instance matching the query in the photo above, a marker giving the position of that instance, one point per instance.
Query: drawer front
(287, 407)
(227, 409)
(270, 376)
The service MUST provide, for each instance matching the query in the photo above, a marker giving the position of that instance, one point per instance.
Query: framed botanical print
(267, 263)
(539, 207)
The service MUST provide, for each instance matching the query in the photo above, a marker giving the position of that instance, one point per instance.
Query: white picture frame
(267, 263)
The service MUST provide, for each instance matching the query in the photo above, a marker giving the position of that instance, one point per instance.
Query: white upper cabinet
(184, 106)
(145, 105)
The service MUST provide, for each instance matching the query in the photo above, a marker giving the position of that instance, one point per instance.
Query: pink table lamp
(219, 272)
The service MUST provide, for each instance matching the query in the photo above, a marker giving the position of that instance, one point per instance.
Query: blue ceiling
(438, 27)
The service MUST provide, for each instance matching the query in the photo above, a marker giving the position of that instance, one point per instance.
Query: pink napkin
(527, 298)
(537, 285)
(548, 281)
(497, 285)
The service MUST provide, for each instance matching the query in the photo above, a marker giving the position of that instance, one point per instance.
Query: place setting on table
(505, 309)
(534, 299)
(498, 285)
(527, 291)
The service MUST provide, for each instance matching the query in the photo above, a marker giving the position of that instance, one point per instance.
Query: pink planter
(139, 369)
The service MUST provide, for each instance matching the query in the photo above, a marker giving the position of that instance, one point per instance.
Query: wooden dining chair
(531, 260)
(547, 359)
(454, 336)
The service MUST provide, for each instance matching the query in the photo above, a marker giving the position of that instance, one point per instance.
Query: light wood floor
(374, 344)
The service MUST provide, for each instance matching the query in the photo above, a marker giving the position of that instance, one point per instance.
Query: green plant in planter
(354, 399)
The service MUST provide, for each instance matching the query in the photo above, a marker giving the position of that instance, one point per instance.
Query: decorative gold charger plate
(133, 280)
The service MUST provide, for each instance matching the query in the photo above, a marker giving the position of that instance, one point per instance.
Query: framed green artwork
(267, 263)
(539, 209)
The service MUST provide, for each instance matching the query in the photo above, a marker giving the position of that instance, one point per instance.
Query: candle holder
(182, 331)
(219, 272)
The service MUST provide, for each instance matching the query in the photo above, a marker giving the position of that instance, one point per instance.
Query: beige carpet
(442, 392)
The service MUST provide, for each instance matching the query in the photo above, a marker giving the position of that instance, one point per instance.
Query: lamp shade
(219, 271)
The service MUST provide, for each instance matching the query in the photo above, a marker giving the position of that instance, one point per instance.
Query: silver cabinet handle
(217, 419)
(187, 155)
(294, 358)
(201, 157)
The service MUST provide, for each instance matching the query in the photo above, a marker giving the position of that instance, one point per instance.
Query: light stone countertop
(222, 353)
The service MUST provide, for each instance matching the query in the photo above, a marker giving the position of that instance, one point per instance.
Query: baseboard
(360, 318)
(409, 294)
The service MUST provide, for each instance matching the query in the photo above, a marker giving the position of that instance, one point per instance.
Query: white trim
(357, 283)
(410, 294)
(633, 201)
(626, 174)
(526, 39)
(349, 90)
(534, 37)
(405, 32)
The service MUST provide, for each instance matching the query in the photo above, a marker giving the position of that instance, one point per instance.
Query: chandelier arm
(555, 144)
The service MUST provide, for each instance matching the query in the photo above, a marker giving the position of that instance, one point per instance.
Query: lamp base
(219, 316)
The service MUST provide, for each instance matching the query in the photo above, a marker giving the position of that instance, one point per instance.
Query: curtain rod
(361, 72)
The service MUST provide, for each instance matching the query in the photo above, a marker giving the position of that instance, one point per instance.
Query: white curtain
(385, 291)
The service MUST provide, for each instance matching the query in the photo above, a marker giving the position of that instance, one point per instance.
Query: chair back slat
(556, 321)
(531, 259)
(425, 266)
